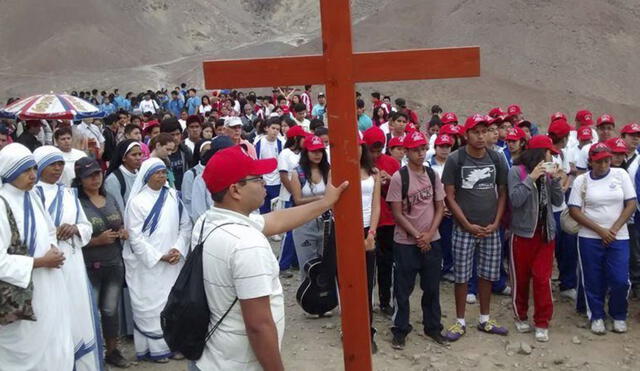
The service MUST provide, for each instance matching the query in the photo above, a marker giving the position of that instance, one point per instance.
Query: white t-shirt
(605, 198)
(306, 124)
(70, 159)
(238, 262)
(367, 186)
(582, 157)
(148, 106)
(269, 150)
(287, 162)
(563, 164)
(573, 138)
(192, 146)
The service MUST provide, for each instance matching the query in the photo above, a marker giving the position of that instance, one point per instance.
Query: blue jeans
(566, 256)
(288, 257)
(446, 230)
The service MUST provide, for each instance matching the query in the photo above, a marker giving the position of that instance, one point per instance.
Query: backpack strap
(462, 157)
(404, 180)
(279, 144)
(123, 185)
(301, 176)
(432, 178)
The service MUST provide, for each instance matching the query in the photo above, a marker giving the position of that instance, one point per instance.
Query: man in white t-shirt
(584, 118)
(63, 139)
(605, 129)
(270, 146)
(299, 116)
(239, 263)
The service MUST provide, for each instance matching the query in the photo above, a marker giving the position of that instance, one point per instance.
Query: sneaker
(506, 291)
(116, 359)
(160, 360)
(619, 327)
(471, 299)
(597, 327)
(438, 338)
(177, 356)
(387, 310)
(276, 238)
(522, 327)
(448, 277)
(455, 332)
(542, 334)
(492, 327)
(398, 341)
(569, 294)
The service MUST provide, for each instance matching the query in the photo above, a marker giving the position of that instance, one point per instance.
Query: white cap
(232, 121)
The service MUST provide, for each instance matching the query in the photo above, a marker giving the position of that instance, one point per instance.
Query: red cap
(558, 116)
(516, 134)
(415, 139)
(411, 127)
(374, 135)
(514, 109)
(617, 145)
(314, 143)
(560, 127)
(231, 165)
(451, 130)
(497, 112)
(444, 140)
(598, 151)
(584, 133)
(542, 141)
(475, 120)
(606, 119)
(396, 142)
(149, 124)
(448, 118)
(631, 128)
(296, 131)
(584, 117)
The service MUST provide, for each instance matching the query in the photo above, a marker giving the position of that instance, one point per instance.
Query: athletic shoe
(492, 327)
(455, 332)
(506, 291)
(276, 238)
(387, 310)
(542, 334)
(116, 359)
(398, 341)
(448, 277)
(471, 299)
(177, 356)
(620, 327)
(569, 294)
(438, 338)
(522, 327)
(597, 327)
(160, 360)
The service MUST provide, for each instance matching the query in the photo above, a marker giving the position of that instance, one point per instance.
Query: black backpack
(404, 179)
(185, 317)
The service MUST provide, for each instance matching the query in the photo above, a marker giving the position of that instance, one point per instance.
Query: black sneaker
(387, 310)
(398, 341)
(438, 338)
(116, 359)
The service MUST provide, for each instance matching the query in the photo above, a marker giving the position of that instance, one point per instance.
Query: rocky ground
(314, 344)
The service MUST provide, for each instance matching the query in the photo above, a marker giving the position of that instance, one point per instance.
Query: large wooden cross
(339, 68)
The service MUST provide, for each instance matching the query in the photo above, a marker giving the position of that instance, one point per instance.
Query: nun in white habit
(45, 343)
(159, 232)
(73, 231)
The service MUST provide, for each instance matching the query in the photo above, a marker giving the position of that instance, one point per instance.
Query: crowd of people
(101, 215)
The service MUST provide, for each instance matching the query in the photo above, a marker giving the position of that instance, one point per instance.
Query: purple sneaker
(491, 327)
(455, 332)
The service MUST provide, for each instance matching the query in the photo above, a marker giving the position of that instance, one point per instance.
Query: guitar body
(318, 293)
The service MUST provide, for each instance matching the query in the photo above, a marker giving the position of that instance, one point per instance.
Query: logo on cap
(316, 141)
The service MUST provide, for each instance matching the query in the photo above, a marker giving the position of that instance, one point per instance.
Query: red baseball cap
(296, 131)
(448, 118)
(415, 139)
(475, 120)
(584, 117)
(411, 127)
(513, 110)
(598, 151)
(560, 127)
(631, 128)
(231, 165)
(605, 119)
(450, 129)
(584, 133)
(149, 124)
(617, 145)
(314, 143)
(444, 140)
(396, 142)
(497, 112)
(542, 141)
(373, 135)
(515, 134)
(558, 116)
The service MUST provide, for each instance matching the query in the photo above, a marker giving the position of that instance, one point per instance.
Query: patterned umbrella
(51, 107)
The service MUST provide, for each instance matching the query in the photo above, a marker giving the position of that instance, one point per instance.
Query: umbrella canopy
(51, 107)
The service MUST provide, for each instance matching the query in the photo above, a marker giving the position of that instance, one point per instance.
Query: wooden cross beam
(338, 68)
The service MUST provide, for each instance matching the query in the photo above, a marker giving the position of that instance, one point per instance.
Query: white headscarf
(45, 156)
(15, 159)
(148, 168)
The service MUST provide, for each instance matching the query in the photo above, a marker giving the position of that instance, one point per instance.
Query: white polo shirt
(238, 262)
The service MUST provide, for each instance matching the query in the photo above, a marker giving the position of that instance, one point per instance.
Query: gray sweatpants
(308, 240)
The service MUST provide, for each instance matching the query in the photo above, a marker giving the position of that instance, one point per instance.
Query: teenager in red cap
(239, 263)
(516, 144)
(605, 129)
(417, 205)
(475, 179)
(387, 166)
(584, 118)
(396, 149)
(631, 136)
(619, 151)
(397, 125)
(499, 117)
(515, 116)
(602, 201)
(533, 192)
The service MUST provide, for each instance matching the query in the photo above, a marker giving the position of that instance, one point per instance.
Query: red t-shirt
(390, 166)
